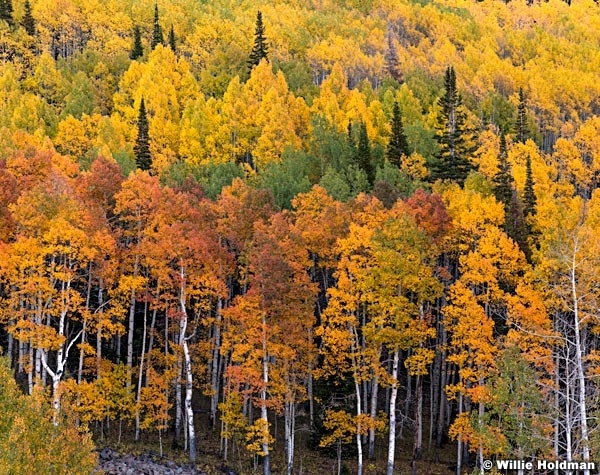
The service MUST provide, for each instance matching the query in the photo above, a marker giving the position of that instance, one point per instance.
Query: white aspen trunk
(189, 387)
(178, 400)
(393, 398)
(132, 321)
(140, 378)
(556, 406)
(459, 449)
(357, 388)
(480, 415)
(81, 353)
(130, 337)
(30, 369)
(99, 335)
(290, 422)
(215, 366)
(263, 396)
(374, 391)
(88, 295)
(419, 419)
(568, 422)
(582, 404)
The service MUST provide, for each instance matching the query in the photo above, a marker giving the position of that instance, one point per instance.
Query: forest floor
(144, 457)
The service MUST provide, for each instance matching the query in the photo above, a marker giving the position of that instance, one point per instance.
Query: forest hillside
(312, 236)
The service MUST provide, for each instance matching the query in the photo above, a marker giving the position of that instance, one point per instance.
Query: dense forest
(351, 230)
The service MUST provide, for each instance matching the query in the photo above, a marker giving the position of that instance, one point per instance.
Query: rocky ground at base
(111, 462)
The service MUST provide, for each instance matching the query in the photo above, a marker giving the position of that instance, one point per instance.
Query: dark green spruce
(6, 11)
(137, 51)
(503, 180)
(157, 33)
(172, 40)
(397, 147)
(143, 158)
(453, 136)
(506, 193)
(260, 49)
(529, 199)
(28, 20)
(521, 132)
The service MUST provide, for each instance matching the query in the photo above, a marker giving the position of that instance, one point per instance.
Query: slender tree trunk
(188, 370)
(359, 412)
(215, 370)
(140, 377)
(582, 403)
(99, 334)
(459, 449)
(393, 398)
(290, 422)
(263, 398)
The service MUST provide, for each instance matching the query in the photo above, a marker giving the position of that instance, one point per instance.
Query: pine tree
(363, 153)
(28, 20)
(138, 50)
(398, 145)
(453, 136)
(143, 159)
(522, 134)
(260, 49)
(529, 199)
(172, 40)
(505, 192)
(157, 33)
(6, 11)
(503, 180)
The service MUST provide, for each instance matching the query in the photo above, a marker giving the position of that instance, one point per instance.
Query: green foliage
(260, 49)
(529, 198)
(214, 177)
(31, 443)
(336, 184)
(172, 40)
(6, 11)
(81, 98)
(157, 32)
(397, 146)
(521, 128)
(454, 137)
(517, 409)
(137, 50)
(363, 156)
(28, 20)
(143, 158)
(288, 178)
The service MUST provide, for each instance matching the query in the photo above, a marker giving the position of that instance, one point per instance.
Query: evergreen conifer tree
(157, 33)
(522, 134)
(453, 136)
(398, 145)
(505, 192)
(143, 159)
(351, 141)
(172, 40)
(503, 180)
(28, 20)
(6, 11)
(260, 49)
(529, 199)
(137, 51)
(363, 153)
